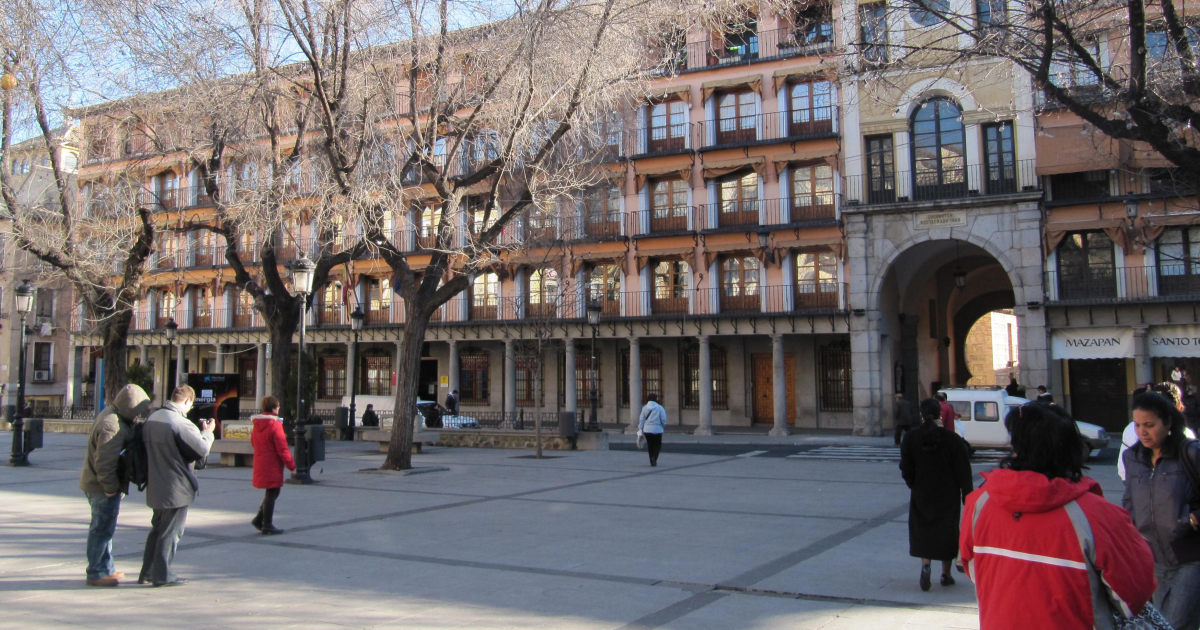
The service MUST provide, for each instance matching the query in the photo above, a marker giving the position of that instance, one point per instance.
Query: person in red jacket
(271, 454)
(948, 413)
(1024, 532)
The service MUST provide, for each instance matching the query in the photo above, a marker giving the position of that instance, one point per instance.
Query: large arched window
(939, 151)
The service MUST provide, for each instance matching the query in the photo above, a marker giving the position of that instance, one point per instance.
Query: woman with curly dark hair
(937, 469)
(1040, 540)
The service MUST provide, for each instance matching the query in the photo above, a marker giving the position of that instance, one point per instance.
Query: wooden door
(1098, 392)
(764, 374)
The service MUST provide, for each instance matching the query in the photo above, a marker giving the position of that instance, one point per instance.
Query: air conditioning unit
(41, 375)
(46, 329)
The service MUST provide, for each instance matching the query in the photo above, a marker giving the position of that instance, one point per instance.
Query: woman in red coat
(271, 454)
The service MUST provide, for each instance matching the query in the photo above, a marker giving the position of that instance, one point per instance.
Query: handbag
(641, 441)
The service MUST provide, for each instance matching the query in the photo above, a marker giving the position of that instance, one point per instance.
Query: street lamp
(356, 322)
(593, 317)
(170, 330)
(302, 277)
(24, 303)
(1131, 206)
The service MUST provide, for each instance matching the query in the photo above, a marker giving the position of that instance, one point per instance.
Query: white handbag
(641, 441)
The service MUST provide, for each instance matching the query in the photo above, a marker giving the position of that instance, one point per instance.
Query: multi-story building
(55, 374)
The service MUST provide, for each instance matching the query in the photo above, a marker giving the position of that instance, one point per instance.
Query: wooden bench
(384, 438)
(234, 452)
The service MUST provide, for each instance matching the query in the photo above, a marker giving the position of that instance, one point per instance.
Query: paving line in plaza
(752, 454)
(874, 454)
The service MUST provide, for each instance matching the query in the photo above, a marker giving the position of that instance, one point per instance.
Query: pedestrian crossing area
(888, 454)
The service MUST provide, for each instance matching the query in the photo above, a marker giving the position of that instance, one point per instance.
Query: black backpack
(135, 463)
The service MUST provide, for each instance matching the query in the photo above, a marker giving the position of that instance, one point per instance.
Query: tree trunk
(399, 456)
(281, 327)
(114, 332)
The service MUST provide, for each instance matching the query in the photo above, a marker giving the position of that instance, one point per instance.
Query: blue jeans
(99, 540)
(1178, 595)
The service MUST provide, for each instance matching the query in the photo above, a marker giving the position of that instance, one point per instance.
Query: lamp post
(593, 317)
(24, 302)
(356, 322)
(302, 277)
(170, 329)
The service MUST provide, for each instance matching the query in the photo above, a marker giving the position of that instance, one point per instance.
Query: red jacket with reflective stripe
(1023, 552)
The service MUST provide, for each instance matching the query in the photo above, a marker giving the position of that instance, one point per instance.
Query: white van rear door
(988, 425)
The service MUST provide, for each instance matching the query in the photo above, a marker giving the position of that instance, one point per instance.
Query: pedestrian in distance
(1013, 387)
(1161, 497)
(652, 423)
(173, 445)
(104, 479)
(452, 403)
(1044, 396)
(370, 418)
(1191, 409)
(948, 413)
(902, 413)
(271, 455)
(937, 469)
(1042, 544)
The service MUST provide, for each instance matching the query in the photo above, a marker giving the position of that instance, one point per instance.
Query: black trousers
(266, 511)
(166, 528)
(900, 429)
(654, 445)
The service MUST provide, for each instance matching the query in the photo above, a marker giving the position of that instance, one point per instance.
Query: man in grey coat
(104, 481)
(173, 445)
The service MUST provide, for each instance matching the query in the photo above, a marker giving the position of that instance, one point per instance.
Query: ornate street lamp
(302, 277)
(23, 296)
(170, 329)
(593, 316)
(356, 322)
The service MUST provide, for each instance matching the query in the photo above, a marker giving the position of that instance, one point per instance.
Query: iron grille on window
(473, 379)
(689, 379)
(834, 373)
(528, 389)
(377, 376)
(333, 378)
(651, 375)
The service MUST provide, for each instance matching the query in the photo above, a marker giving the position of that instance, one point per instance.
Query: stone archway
(966, 317)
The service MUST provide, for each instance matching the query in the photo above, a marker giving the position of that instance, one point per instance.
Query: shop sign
(1174, 341)
(950, 218)
(1092, 343)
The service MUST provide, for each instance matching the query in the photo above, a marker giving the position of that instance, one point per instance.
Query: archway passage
(989, 349)
(931, 296)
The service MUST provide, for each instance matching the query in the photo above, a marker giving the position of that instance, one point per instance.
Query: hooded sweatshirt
(271, 452)
(1022, 541)
(107, 439)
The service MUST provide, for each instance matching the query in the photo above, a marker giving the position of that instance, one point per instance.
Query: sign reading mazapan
(1092, 343)
(951, 218)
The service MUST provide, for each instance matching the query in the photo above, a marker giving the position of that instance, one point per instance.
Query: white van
(981, 419)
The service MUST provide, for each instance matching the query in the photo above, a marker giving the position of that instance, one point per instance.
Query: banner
(1092, 343)
(1174, 341)
(216, 397)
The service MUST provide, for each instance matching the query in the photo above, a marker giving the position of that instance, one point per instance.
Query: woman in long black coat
(937, 469)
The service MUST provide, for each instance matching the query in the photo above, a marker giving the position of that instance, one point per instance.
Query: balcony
(821, 122)
(645, 141)
(664, 220)
(593, 225)
(739, 48)
(972, 181)
(331, 315)
(1109, 284)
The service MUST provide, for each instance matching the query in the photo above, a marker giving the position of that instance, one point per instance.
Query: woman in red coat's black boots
(271, 454)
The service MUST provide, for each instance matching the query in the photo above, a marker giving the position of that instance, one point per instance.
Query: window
(881, 173)
(816, 280)
(168, 190)
(1082, 185)
(812, 192)
(939, 151)
(333, 378)
(668, 126)
(603, 208)
(739, 199)
(737, 117)
(689, 378)
(331, 304)
(42, 355)
(651, 375)
(873, 20)
(741, 41)
(987, 411)
(925, 12)
(1086, 266)
(481, 217)
(586, 376)
(45, 303)
(377, 375)
(1068, 70)
(543, 293)
(814, 26)
(834, 377)
(530, 392)
(485, 296)
(739, 285)
(1178, 260)
(431, 218)
(243, 309)
(669, 205)
(248, 371)
(999, 158)
(811, 108)
(379, 300)
(201, 307)
(164, 307)
(991, 13)
(473, 378)
(670, 287)
(604, 284)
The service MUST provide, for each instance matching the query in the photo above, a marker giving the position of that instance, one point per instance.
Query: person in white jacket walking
(651, 424)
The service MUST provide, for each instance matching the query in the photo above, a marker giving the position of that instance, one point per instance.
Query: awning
(712, 250)
(812, 155)
(688, 254)
(1092, 343)
(724, 167)
(808, 72)
(1174, 341)
(1116, 229)
(615, 257)
(753, 81)
(833, 243)
(1150, 227)
(1075, 148)
(684, 92)
(683, 170)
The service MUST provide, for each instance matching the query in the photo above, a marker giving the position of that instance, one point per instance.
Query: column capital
(702, 338)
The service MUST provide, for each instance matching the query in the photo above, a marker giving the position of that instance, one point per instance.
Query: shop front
(1175, 354)
(1097, 367)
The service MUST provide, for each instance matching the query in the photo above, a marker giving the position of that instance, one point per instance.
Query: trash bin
(316, 443)
(566, 424)
(33, 434)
